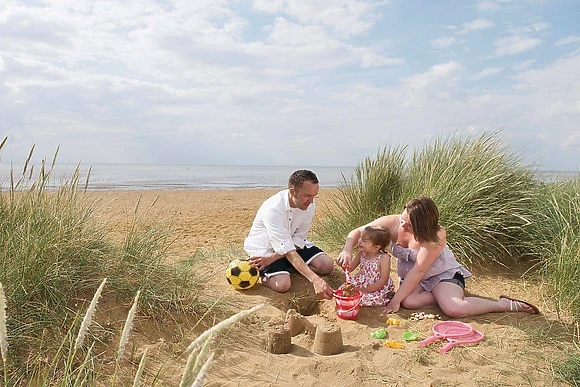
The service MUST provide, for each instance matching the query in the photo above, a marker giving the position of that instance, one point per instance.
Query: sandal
(516, 305)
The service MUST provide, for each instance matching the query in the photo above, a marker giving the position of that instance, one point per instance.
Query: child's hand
(344, 259)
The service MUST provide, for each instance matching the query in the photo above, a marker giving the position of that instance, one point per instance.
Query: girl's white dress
(367, 275)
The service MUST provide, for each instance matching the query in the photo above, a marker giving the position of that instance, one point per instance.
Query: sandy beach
(200, 218)
(216, 220)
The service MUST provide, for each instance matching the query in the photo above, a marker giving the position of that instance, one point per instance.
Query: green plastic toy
(410, 336)
(380, 333)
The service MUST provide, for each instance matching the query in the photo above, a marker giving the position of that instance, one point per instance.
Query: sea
(182, 177)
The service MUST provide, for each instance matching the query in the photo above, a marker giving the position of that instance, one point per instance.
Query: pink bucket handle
(354, 306)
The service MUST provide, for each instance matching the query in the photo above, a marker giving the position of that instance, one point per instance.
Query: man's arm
(321, 288)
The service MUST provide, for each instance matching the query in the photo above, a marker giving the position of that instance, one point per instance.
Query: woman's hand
(392, 307)
(344, 259)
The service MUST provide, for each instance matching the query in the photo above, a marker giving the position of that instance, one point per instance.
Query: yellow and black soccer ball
(241, 275)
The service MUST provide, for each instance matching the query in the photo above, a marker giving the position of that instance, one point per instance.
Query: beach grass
(560, 236)
(569, 370)
(375, 188)
(74, 362)
(484, 195)
(493, 210)
(483, 192)
(54, 254)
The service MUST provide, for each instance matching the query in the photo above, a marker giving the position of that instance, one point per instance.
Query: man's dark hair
(297, 178)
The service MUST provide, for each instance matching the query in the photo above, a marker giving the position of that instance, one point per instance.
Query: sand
(511, 354)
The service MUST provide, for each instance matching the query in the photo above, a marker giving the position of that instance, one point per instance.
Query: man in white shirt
(277, 240)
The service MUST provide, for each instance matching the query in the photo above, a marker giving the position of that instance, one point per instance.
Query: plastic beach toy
(447, 330)
(380, 333)
(347, 307)
(410, 336)
(473, 338)
(393, 321)
(394, 344)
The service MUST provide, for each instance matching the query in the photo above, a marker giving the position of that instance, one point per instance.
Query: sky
(286, 82)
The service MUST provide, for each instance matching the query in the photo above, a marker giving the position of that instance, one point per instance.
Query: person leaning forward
(277, 240)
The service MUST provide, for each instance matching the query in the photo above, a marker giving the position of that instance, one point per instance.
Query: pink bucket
(347, 307)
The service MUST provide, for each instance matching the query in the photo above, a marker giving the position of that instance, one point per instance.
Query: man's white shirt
(278, 227)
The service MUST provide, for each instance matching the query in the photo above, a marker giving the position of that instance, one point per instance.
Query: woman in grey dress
(430, 275)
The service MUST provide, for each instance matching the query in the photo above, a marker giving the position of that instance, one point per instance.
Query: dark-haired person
(277, 240)
(430, 274)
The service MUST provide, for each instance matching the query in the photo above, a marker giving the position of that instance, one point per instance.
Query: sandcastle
(279, 340)
(327, 336)
(328, 340)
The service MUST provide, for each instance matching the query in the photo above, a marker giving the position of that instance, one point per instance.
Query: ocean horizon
(203, 177)
(180, 177)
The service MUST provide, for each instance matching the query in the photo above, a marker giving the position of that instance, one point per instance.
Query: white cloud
(551, 97)
(529, 29)
(540, 26)
(568, 40)
(571, 142)
(515, 44)
(346, 17)
(476, 25)
(372, 59)
(487, 6)
(293, 47)
(524, 65)
(487, 72)
(420, 87)
(444, 41)
(285, 33)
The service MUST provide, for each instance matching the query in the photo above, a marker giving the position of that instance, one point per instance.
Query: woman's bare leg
(452, 301)
(418, 298)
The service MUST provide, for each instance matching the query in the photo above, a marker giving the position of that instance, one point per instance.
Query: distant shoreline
(126, 177)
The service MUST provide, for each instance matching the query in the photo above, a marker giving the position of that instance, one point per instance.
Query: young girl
(373, 278)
